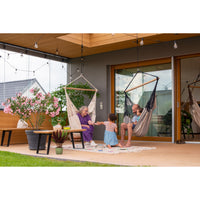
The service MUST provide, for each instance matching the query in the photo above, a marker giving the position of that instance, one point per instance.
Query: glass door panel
(161, 123)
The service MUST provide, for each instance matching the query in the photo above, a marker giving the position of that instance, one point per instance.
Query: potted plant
(59, 138)
(33, 110)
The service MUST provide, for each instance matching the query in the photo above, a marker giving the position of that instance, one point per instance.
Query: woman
(87, 124)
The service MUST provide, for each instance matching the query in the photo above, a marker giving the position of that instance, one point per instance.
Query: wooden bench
(49, 133)
(9, 131)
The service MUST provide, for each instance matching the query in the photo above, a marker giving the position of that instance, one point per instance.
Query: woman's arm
(85, 125)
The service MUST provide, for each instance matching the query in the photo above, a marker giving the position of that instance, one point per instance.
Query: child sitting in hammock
(137, 117)
(110, 138)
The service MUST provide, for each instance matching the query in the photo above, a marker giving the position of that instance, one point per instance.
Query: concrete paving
(165, 154)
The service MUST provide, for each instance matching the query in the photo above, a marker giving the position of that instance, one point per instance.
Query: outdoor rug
(101, 148)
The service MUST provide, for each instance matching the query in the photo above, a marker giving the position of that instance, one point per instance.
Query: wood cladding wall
(18, 137)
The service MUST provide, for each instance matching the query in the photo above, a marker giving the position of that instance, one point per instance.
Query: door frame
(138, 65)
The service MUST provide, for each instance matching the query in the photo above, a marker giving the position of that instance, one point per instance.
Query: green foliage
(59, 136)
(78, 98)
(186, 120)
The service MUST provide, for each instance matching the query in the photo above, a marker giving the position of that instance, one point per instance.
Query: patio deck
(165, 154)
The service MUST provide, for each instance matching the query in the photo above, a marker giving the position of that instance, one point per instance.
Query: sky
(16, 66)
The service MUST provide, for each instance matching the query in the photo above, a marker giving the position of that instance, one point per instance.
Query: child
(137, 117)
(110, 138)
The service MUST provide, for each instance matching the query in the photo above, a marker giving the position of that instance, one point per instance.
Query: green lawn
(8, 159)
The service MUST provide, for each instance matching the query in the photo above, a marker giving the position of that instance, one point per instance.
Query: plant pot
(59, 150)
(33, 140)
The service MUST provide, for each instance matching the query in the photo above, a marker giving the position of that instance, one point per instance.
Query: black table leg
(82, 139)
(38, 146)
(9, 136)
(49, 143)
(2, 138)
(72, 138)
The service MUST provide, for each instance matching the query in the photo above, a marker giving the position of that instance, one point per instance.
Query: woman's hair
(140, 110)
(112, 117)
(82, 108)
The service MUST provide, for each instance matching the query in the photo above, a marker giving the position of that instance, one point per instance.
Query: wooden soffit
(69, 44)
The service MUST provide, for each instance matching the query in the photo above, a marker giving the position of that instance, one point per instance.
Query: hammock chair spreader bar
(141, 85)
(82, 89)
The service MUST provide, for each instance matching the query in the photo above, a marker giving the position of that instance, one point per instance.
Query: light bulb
(70, 77)
(36, 45)
(141, 42)
(175, 45)
(15, 71)
(78, 70)
(8, 56)
(56, 51)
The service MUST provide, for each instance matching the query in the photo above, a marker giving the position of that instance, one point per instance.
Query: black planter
(33, 140)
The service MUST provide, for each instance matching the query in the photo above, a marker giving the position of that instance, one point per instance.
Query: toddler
(110, 138)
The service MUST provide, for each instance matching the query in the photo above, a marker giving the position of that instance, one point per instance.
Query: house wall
(29, 94)
(18, 137)
(97, 68)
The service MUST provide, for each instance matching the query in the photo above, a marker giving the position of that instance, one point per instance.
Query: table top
(51, 131)
(12, 129)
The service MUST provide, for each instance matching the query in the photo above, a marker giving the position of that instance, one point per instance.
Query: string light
(62, 66)
(175, 45)
(36, 45)
(15, 70)
(142, 42)
(8, 56)
(33, 73)
(56, 51)
(77, 69)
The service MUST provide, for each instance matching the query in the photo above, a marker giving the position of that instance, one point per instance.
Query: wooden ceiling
(69, 44)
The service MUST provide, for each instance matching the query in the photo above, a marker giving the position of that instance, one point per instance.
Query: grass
(8, 159)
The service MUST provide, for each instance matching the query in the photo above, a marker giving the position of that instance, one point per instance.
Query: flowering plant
(39, 104)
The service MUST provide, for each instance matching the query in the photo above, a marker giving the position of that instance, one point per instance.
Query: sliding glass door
(161, 123)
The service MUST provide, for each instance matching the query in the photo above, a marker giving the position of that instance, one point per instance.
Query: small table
(72, 131)
(9, 131)
(44, 132)
(49, 133)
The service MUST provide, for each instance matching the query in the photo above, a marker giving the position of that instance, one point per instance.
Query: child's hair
(112, 117)
(140, 110)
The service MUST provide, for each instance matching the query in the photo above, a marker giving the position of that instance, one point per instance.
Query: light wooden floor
(165, 154)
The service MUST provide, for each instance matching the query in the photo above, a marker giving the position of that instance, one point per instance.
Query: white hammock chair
(72, 111)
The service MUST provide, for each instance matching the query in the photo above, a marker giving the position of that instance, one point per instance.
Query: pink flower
(32, 90)
(7, 109)
(3, 104)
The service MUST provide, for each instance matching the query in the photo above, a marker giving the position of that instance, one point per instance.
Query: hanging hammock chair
(72, 111)
(193, 105)
(142, 125)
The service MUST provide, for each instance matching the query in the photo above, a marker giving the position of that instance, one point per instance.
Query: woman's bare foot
(109, 147)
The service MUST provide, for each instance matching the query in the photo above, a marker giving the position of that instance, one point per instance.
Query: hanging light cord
(82, 60)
